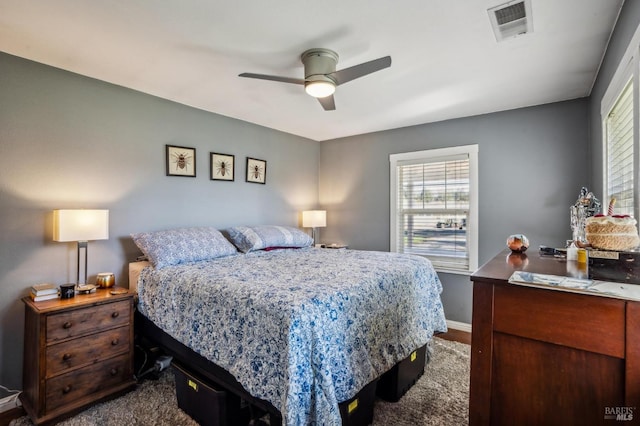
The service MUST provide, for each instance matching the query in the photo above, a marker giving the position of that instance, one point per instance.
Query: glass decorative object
(518, 243)
(586, 205)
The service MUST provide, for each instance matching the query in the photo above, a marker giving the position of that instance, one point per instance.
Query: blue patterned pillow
(174, 246)
(250, 238)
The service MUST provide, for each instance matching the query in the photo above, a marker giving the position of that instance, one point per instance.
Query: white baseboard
(456, 325)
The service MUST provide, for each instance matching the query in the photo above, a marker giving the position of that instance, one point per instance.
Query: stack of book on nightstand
(44, 291)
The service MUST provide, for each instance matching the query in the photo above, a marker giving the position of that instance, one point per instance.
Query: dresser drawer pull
(115, 315)
(114, 371)
(114, 342)
(66, 389)
(67, 325)
(66, 357)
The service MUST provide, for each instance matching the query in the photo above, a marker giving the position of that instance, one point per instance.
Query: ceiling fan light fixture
(319, 89)
(321, 77)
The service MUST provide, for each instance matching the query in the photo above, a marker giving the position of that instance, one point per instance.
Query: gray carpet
(440, 397)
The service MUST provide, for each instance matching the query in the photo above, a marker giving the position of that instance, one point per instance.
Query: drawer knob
(114, 342)
(114, 371)
(66, 357)
(115, 315)
(67, 325)
(66, 389)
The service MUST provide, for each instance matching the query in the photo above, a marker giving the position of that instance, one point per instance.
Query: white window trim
(629, 68)
(472, 220)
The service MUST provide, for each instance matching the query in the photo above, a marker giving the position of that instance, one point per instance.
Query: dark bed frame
(199, 365)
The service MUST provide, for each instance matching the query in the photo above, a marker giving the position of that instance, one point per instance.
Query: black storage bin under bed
(207, 405)
(358, 411)
(396, 382)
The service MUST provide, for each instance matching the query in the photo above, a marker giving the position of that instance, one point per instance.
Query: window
(618, 130)
(434, 199)
(620, 134)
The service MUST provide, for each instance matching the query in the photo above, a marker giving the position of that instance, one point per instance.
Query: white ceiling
(446, 61)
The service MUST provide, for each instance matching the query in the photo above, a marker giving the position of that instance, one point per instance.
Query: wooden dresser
(76, 352)
(545, 357)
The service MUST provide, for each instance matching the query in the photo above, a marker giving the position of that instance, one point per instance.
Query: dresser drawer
(591, 323)
(74, 353)
(81, 321)
(67, 388)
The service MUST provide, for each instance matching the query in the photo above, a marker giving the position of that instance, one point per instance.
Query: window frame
(435, 155)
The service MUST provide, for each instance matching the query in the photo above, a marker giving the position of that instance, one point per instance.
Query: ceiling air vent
(511, 19)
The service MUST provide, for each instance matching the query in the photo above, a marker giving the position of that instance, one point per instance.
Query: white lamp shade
(314, 218)
(80, 225)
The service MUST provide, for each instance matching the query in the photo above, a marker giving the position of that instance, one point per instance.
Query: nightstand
(76, 351)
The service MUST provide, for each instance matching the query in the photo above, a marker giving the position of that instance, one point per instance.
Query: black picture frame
(222, 166)
(256, 170)
(180, 161)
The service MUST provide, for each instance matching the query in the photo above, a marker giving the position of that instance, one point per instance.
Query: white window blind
(431, 215)
(619, 148)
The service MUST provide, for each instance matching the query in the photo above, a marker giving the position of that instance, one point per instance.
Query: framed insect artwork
(222, 166)
(181, 161)
(256, 170)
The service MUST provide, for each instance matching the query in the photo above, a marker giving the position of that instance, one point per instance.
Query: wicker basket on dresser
(76, 351)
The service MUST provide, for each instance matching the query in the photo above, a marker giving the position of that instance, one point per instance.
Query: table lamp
(81, 226)
(314, 219)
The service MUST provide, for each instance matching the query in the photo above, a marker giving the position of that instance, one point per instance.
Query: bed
(299, 327)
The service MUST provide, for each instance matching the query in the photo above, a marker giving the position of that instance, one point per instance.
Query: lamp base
(83, 245)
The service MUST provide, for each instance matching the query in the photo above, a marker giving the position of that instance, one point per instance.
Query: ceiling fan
(320, 75)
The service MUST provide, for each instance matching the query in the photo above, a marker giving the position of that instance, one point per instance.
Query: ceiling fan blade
(272, 78)
(328, 103)
(357, 71)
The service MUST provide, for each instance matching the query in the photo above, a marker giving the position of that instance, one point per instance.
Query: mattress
(303, 329)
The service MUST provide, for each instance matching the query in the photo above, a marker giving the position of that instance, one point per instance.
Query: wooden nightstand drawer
(69, 354)
(81, 321)
(591, 323)
(67, 388)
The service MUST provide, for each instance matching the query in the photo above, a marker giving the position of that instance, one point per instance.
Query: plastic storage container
(207, 405)
(396, 382)
(358, 411)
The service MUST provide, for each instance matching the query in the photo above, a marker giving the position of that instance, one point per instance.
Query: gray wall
(626, 26)
(68, 141)
(532, 164)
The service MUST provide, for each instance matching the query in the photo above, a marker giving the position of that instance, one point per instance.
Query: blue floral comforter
(303, 329)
